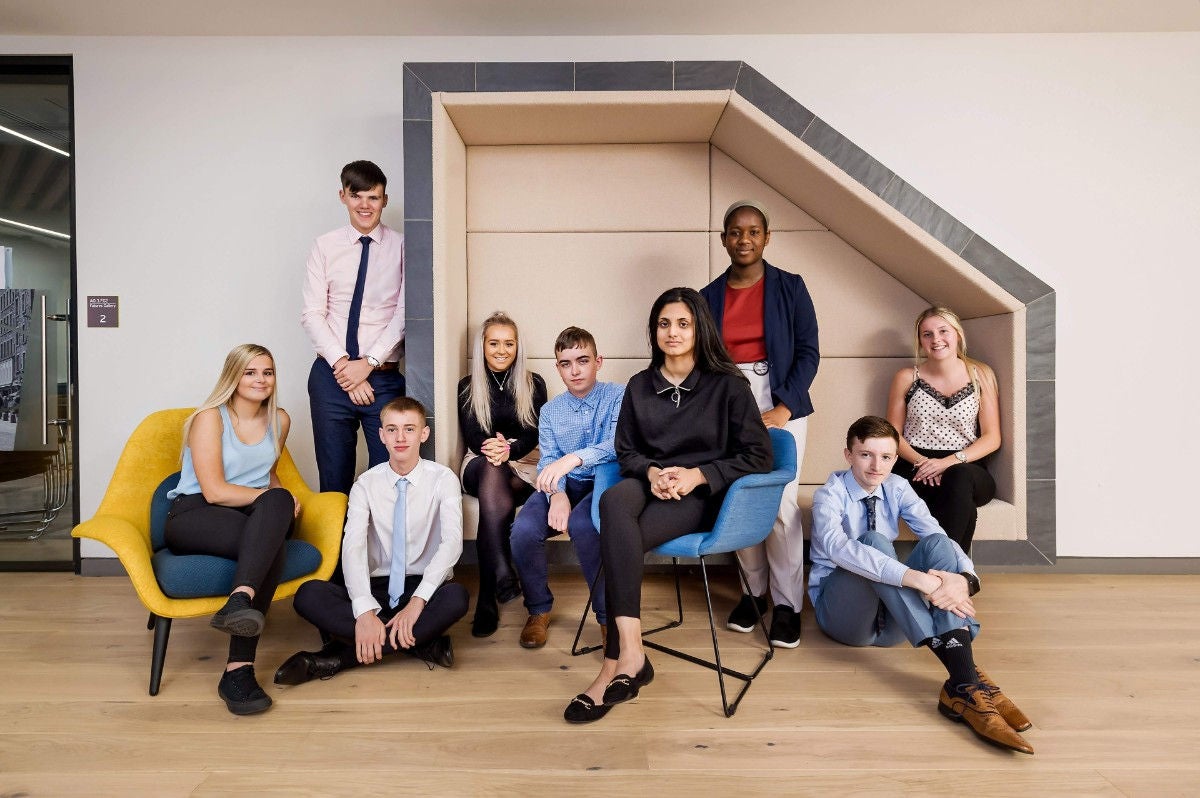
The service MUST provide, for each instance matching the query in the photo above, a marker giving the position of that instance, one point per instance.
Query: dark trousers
(254, 536)
(955, 503)
(327, 606)
(336, 421)
(632, 522)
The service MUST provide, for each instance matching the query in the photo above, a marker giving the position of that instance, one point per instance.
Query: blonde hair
(231, 373)
(519, 377)
(974, 367)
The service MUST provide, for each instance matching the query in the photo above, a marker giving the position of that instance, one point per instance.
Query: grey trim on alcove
(422, 79)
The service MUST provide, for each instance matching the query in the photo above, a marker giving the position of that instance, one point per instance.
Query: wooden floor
(1108, 667)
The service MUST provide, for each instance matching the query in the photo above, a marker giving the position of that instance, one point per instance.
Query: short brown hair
(403, 404)
(575, 338)
(870, 427)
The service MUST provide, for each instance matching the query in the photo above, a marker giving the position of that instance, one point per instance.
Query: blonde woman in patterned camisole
(949, 413)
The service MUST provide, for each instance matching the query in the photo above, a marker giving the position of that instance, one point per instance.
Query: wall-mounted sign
(102, 311)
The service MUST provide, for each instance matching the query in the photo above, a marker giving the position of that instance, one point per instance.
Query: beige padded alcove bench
(570, 206)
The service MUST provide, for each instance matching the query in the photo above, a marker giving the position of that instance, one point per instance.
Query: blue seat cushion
(202, 575)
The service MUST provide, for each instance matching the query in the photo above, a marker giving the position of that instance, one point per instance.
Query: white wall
(207, 165)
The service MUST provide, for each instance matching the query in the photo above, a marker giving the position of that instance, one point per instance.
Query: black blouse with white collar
(710, 421)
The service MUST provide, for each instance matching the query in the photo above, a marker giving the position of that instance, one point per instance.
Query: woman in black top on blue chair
(229, 503)
(689, 426)
(498, 407)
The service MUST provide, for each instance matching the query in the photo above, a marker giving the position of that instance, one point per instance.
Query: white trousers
(778, 562)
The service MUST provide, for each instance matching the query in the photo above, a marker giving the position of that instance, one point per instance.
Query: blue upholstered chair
(745, 519)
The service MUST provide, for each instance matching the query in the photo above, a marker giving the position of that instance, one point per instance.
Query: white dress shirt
(328, 290)
(433, 517)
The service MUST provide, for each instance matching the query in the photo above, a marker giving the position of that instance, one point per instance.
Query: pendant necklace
(499, 383)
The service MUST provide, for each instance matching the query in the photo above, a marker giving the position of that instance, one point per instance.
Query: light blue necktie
(399, 543)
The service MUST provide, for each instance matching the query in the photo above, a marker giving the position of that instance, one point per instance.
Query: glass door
(37, 463)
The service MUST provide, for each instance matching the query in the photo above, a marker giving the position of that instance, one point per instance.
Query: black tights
(499, 491)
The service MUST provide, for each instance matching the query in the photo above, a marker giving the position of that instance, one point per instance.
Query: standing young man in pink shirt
(354, 316)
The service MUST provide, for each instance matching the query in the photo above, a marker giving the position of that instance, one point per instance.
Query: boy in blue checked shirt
(575, 434)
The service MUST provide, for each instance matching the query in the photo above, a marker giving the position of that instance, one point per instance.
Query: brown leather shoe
(1008, 710)
(972, 704)
(534, 633)
(603, 638)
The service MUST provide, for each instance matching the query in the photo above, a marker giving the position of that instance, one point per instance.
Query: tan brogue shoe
(1004, 705)
(972, 704)
(534, 633)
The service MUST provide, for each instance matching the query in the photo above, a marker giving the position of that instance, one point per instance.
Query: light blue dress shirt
(840, 519)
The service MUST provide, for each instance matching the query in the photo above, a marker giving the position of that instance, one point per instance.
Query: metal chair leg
(575, 649)
(722, 671)
(162, 633)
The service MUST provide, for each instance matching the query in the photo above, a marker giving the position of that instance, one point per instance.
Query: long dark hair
(709, 351)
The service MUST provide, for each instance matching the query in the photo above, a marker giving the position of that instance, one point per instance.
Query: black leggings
(254, 536)
(633, 521)
(955, 503)
(499, 491)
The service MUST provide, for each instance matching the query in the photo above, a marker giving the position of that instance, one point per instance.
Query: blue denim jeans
(530, 531)
(857, 611)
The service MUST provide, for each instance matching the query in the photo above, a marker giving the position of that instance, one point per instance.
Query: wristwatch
(374, 363)
(972, 582)
(960, 456)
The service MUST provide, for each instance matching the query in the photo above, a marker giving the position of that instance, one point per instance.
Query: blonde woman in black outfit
(498, 407)
(689, 426)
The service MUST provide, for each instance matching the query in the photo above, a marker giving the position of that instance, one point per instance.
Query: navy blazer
(790, 329)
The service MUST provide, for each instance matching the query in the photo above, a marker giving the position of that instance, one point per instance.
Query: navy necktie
(356, 300)
(870, 501)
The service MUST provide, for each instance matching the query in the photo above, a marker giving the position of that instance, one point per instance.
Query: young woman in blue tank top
(229, 503)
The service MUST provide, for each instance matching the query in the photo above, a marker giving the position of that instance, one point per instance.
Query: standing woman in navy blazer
(768, 324)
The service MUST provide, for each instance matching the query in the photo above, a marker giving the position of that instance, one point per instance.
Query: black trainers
(238, 618)
(241, 693)
(785, 627)
(743, 618)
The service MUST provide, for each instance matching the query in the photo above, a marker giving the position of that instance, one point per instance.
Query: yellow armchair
(122, 522)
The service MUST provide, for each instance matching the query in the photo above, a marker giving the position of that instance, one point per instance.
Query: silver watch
(960, 456)
(374, 363)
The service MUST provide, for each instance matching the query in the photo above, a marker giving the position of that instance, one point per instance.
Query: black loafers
(304, 666)
(626, 688)
(583, 709)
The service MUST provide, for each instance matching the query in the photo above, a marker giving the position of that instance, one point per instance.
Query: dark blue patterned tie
(356, 300)
(870, 502)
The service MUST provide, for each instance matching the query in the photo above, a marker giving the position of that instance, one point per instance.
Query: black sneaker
(238, 618)
(743, 618)
(785, 627)
(241, 693)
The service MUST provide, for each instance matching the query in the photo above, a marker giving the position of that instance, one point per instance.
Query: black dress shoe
(487, 618)
(583, 709)
(626, 688)
(439, 651)
(304, 666)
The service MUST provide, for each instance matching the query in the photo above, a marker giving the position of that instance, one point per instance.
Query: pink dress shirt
(329, 286)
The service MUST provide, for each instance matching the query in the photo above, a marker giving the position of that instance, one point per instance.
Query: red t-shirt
(742, 327)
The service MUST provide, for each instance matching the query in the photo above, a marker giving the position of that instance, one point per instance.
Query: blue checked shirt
(583, 427)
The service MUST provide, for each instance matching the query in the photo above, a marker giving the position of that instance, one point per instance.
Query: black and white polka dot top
(935, 421)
